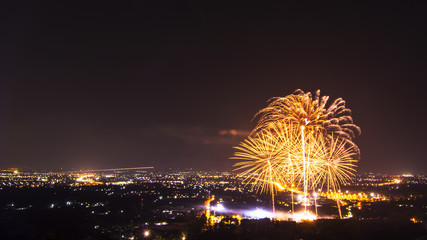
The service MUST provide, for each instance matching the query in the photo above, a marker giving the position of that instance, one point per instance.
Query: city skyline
(177, 85)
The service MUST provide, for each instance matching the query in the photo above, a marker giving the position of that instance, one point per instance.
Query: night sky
(99, 84)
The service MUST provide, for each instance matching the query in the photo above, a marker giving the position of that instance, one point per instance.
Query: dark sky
(100, 84)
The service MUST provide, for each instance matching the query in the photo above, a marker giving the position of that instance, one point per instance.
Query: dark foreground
(320, 229)
(175, 211)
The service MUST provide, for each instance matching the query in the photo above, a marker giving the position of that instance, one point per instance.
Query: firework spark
(333, 164)
(300, 143)
(265, 158)
(313, 113)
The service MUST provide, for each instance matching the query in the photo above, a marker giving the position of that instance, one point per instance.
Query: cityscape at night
(126, 204)
(213, 120)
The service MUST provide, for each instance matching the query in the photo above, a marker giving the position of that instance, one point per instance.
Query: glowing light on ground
(258, 214)
(397, 181)
(304, 216)
(219, 208)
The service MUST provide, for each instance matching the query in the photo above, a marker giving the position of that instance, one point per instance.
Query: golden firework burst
(299, 143)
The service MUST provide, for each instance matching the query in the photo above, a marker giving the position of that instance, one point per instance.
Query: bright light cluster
(304, 216)
(259, 214)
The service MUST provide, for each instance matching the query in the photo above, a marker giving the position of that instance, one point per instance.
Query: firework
(334, 163)
(300, 142)
(303, 109)
(331, 165)
(266, 158)
(322, 164)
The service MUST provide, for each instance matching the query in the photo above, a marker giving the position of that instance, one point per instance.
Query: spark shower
(300, 144)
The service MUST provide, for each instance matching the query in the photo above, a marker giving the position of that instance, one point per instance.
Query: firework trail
(313, 113)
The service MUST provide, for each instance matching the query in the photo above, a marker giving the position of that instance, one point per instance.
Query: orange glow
(397, 181)
(304, 216)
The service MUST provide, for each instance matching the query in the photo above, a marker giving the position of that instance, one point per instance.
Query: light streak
(112, 169)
